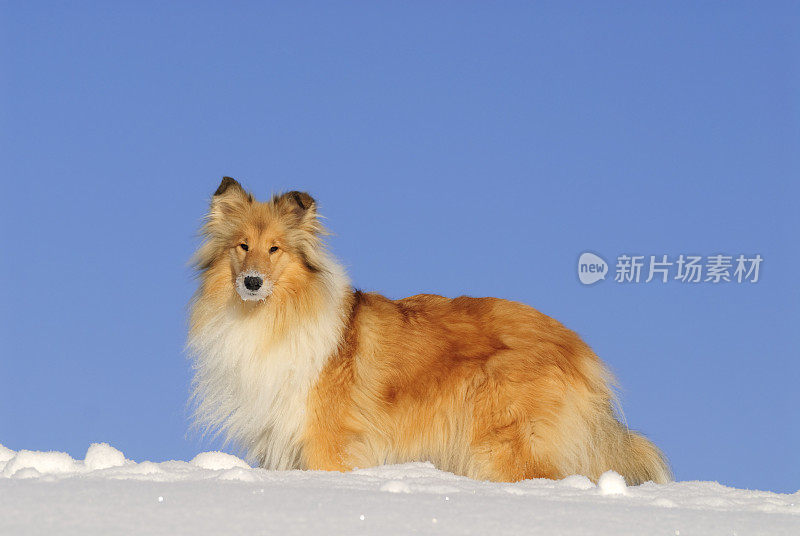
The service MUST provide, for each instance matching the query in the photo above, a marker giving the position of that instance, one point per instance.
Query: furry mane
(253, 365)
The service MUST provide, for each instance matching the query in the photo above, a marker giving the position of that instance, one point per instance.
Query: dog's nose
(253, 283)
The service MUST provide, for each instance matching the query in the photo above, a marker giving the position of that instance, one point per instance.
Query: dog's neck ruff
(252, 387)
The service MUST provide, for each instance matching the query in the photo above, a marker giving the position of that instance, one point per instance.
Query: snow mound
(216, 493)
(218, 461)
(577, 482)
(6, 454)
(43, 462)
(611, 483)
(103, 456)
(238, 473)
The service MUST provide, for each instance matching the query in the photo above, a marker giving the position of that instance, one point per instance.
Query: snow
(396, 486)
(218, 460)
(216, 493)
(103, 456)
(5, 454)
(24, 461)
(612, 483)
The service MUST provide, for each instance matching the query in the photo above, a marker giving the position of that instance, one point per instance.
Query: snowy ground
(215, 493)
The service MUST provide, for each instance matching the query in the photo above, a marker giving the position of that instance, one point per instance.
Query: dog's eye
(244, 246)
(273, 249)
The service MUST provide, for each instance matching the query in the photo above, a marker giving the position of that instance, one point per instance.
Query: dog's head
(261, 249)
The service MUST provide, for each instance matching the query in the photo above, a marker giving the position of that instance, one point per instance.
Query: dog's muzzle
(252, 285)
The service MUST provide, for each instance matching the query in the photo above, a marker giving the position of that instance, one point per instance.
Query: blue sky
(457, 148)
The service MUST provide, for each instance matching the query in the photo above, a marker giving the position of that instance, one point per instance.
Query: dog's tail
(634, 457)
(645, 462)
(610, 445)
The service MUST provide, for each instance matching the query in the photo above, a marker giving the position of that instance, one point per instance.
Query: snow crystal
(577, 482)
(396, 486)
(218, 460)
(144, 468)
(43, 462)
(513, 490)
(103, 456)
(611, 483)
(240, 474)
(400, 471)
(26, 472)
(6, 454)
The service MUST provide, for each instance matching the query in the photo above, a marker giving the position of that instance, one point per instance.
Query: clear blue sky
(457, 148)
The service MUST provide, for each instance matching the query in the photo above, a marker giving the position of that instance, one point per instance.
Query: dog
(302, 371)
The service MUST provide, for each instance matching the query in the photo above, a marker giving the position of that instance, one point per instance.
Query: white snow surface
(103, 456)
(216, 493)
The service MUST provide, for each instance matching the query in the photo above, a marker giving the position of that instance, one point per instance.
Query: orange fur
(321, 376)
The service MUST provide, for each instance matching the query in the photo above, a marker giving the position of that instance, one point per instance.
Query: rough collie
(304, 372)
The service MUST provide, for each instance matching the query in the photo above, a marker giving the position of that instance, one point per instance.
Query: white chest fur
(255, 390)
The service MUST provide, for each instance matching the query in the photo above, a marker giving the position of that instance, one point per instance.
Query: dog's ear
(301, 209)
(227, 182)
(229, 197)
(228, 201)
(300, 213)
(221, 223)
(303, 202)
(299, 206)
(230, 188)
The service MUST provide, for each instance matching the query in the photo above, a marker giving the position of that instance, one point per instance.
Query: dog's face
(266, 249)
(257, 261)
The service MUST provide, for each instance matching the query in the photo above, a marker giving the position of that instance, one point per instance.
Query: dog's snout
(253, 283)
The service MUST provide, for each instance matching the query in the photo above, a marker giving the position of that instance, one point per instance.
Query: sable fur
(320, 376)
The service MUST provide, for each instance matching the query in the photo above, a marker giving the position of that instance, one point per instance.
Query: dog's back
(483, 387)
